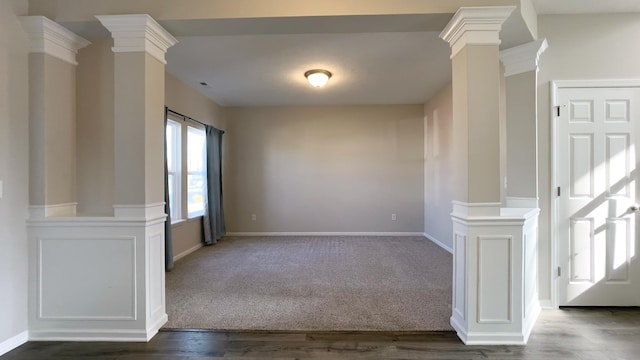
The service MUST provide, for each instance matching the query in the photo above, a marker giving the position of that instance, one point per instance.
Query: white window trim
(193, 125)
(176, 208)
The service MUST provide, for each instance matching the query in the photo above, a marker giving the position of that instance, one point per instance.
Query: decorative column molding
(523, 58)
(495, 299)
(136, 33)
(475, 25)
(495, 257)
(51, 38)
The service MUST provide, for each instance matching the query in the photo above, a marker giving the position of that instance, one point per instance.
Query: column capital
(47, 36)
(476, 26)
(138, 33)
(523, 58)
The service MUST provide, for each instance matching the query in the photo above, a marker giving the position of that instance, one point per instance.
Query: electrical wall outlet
(394, 217)
(254, 217)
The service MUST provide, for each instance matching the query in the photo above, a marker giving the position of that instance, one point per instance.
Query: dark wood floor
(573, 333)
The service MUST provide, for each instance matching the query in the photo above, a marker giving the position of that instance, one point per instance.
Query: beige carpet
(313, 283)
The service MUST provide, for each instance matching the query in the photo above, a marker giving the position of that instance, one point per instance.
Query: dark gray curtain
(168, 244)
(213, 219)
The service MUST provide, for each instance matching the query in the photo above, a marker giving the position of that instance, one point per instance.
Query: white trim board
(187, 252)
(13, 342)
(286, 233)
(110, 335)
(437, 242)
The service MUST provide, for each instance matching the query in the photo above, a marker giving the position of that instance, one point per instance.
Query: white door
(597, 133)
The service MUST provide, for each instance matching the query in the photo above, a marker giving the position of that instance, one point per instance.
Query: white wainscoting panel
(495, 267)
(98, 278)
(460, 273)
(494, 279)
(155, 260)
(87, 278)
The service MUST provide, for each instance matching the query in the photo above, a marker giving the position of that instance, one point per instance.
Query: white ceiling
(368, 68)
(395, 59)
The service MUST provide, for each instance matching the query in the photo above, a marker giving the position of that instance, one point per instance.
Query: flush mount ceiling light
(317, 77)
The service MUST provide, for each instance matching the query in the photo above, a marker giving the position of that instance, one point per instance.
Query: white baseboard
(437, 242)
(155, 326)
(13, 342)
(547, 305)
(324, 234)
(119, 335)
(187, 252)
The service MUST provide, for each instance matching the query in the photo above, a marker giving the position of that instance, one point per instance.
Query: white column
(492, 297)
(521, 71)
(102, 278)
(52, 116)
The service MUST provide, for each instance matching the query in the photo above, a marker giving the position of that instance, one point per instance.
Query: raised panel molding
(97, 278)
(59, 289)
(495, 302)
(460, 275)
(155, 259)
(495, 268)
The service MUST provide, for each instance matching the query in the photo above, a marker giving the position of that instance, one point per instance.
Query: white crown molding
(51, 38)
(523, 58)
(138, 33)
(475, 26)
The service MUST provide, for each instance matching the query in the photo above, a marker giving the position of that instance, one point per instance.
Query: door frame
(554, 86)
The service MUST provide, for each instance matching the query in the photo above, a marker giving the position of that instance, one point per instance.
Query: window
(186, 167)
(174, 168)
(195, 171)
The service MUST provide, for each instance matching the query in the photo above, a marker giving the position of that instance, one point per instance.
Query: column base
(496, 338)
(495, 297)
(97, 279)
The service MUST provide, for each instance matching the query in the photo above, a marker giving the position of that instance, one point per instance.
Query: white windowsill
(177, 223)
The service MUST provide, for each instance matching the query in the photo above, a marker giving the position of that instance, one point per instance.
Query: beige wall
(53, 123)
(185, 100)
(95, 132)
(14, 169)
(580, 47)
(324, 169)
(521, 136)
(182, 98)
(95, 147)
(439, 167)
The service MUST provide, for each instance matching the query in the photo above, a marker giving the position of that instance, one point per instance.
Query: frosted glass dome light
(317, 77)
